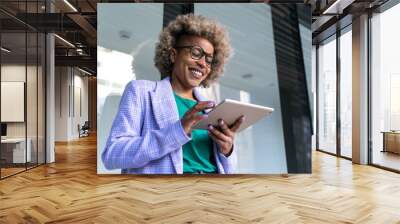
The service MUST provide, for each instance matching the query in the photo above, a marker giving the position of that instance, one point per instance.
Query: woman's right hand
(192, 116)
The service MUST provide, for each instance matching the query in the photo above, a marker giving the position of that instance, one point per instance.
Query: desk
(15, 148)
(391, 141)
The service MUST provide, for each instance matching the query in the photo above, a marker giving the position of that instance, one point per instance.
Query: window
(385, 88)
(327, 96)
(346, 93)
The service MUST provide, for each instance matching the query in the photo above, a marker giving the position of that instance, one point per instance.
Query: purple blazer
(147, 136)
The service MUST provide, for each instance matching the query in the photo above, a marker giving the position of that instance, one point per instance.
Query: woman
(152, 132)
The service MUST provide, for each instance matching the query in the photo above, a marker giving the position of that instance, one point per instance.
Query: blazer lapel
(163, 102)
(166, 112)
(200, 97)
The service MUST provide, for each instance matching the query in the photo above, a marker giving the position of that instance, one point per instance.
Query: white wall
(61, 103)
(16, 73)
(33, 125)
(80, 82)
(71, 94)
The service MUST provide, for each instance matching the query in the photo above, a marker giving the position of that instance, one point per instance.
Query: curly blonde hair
(194, 25)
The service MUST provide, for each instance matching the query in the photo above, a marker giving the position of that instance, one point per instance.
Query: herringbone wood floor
(69, 191)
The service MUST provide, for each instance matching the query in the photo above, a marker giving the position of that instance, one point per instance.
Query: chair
(84, 130)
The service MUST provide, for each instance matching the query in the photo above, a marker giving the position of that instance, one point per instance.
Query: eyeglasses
(197, 53)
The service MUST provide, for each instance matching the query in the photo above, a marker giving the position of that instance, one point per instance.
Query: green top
(198, 152)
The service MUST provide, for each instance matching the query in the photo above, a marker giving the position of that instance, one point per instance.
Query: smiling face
(187, 72)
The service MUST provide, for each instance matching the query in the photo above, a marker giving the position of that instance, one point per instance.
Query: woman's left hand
(225, 137)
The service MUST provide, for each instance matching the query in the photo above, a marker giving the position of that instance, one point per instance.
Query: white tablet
(230, 110)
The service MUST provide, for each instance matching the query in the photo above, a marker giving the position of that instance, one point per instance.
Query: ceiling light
(64, 40)
(70, 5)
(5, 50)
(79, 51)
(247, 76)
(86, 72)
(337, 7)
(331, 7)
(124, 34)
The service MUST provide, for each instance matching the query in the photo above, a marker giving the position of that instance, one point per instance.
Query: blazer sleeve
(127, 146)
(228, 162)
